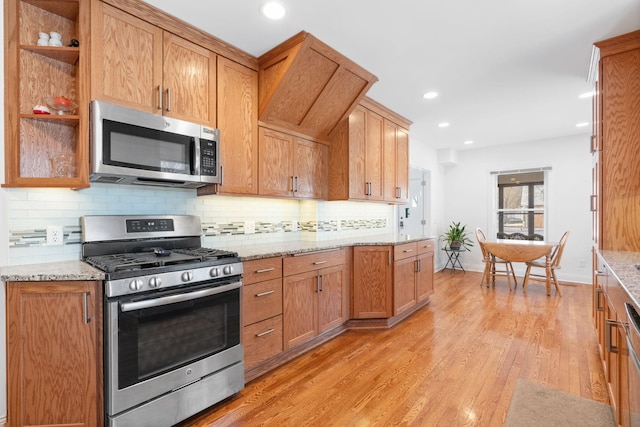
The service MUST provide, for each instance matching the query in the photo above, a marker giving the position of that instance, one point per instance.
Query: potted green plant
(457, 236)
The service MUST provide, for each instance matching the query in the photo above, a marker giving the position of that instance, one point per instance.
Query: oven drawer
(406, 250)
(262, 340)
(313, 261)
(262, 300)
(262, 269)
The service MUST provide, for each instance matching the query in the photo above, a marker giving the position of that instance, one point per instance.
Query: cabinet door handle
(265, 270)
(267, 332)
(398, 194)
(317, 284)
(292, 185)
(160, 97)
(262, 294)
(607, 335)
(295, 188)
(168, 99)
(322, 283)
(593, 203)
(85, 307)
(319, 262)
(416, 266)
(596, 297)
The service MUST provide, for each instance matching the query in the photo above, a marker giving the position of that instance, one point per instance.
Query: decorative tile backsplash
(30, 211)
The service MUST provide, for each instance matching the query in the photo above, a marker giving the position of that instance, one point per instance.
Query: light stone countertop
(78, 270)
(623, 267)
(251, 252)
(51, 271)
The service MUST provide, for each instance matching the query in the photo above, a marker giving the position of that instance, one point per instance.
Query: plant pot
(455, 245)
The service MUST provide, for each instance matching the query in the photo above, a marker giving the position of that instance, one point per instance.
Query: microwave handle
(195, 157)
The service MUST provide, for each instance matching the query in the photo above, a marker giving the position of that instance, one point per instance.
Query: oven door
(161, 342)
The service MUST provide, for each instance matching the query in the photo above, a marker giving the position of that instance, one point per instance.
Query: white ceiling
(506, 70)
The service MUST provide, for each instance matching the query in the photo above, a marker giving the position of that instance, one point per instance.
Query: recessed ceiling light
(468, 142)
(430, 95)
(582, 124)
(443, 125)
(273, 10)
(586, 95)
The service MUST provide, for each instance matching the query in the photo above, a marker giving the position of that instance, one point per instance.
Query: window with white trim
(521, 205)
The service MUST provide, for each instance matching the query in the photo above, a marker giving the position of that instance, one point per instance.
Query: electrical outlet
(55, 235)
(249, 227)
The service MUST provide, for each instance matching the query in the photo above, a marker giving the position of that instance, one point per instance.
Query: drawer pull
(319, 262)
(407, 250)
(267, 332)
(262, 294)
(265, 270)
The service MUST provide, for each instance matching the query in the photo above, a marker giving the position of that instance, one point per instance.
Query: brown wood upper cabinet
(308, 87)
(46, 150)
(369, 156)
(291, 166)
(138, 65)
(238, 122)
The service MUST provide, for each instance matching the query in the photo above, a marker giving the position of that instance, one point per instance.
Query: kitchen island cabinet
(54, 353)
(139, 65)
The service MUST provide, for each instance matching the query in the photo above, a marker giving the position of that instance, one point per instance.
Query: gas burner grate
(126, 262)
(208, 253)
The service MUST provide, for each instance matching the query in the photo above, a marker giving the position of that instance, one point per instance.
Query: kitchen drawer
(262, 340)
(262, 300)
(313, 261)
(425, 246)
(263, 269)
(405, 251)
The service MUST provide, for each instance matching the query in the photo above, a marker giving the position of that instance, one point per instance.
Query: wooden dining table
(523, 251)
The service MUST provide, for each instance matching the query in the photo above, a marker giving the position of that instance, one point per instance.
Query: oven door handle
(173, 299)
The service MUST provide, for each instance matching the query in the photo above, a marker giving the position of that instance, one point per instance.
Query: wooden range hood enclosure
(307, 87)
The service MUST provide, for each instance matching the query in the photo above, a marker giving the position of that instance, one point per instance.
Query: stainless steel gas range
(171, 317)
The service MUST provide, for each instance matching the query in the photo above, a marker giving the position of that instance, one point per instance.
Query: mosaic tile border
(73, 234)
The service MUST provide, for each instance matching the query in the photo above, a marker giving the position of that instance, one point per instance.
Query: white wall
(469, 193)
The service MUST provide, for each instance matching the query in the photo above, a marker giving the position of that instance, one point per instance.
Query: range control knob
(227, 269)
(155, 282)
(187, 276)
(136, 284)
(215, 272)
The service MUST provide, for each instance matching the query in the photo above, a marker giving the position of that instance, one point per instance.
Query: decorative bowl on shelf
(61, 104)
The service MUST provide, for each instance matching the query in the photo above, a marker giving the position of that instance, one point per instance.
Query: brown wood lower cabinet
(262, 312)
(54, 353)
(315, 290)
(391, 280)
(610, 320)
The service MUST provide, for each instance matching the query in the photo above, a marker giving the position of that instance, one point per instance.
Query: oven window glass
(149, 149)
(156, 340)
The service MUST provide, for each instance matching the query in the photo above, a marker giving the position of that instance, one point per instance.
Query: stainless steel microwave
(134, 147)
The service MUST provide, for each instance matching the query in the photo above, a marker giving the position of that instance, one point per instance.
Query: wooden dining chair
(548, 272)
(494, 266)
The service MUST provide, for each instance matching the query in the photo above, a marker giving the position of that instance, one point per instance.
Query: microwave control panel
(208, 161)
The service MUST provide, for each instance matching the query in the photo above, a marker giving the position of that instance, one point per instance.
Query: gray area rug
(536, 405)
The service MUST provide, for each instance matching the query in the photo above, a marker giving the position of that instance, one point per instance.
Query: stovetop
(157, 258)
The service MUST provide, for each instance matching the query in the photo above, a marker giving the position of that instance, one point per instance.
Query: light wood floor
(453, 363)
